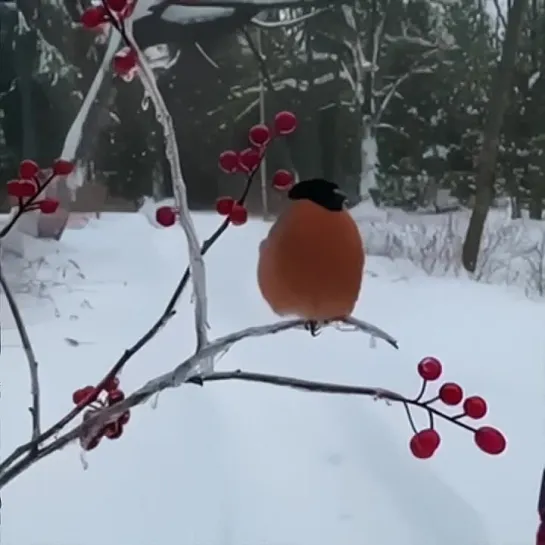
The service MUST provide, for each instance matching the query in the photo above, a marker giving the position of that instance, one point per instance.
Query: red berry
(14, 188)
(48, 206)
(283, 180)
(430, 368)
(28, 169)
(125, 61)
(111, 384)
(84, 395)
(451, 393)
(228, 161)
(113, 430)
(224, 205)
(125, 417)
(117, 5)
(28, 188)
(285, 123)
(238, 214)
(259, 135)
(475, 407)
(490, 440)
(62, 167)
(94, 16)
(424, 443)
(165, 216)
(115, 396)
(249, 159)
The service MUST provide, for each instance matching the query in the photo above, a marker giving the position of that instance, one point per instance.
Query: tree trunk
(535, 206)
(513, 189)
(501, 86)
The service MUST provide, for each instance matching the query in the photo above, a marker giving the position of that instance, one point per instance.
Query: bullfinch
(311, 263)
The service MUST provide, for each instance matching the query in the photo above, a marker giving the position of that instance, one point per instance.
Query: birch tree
(374, 29)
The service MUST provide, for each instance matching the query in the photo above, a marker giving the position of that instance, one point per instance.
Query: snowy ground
(245, 464)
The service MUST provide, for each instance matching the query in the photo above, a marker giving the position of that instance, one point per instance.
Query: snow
(74, 134)
(235, 464)
(533, 79)
(512, 251)
(184, 14)
(181, 14)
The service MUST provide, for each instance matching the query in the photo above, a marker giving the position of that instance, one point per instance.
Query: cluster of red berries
(425, 442)
(246, 162)
(95, 399)
(102, 14)
(28, 186)
(114, 12)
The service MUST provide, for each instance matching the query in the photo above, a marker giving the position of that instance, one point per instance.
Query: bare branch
(206, 56)
(417, 67)
(30, 356)
(499, 13)
(166, 315)
(268, 81)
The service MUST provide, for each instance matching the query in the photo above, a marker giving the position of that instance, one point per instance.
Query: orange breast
(311, 263)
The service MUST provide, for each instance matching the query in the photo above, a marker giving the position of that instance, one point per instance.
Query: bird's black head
(325, 194)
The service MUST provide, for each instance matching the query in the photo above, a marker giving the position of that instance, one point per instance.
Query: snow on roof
(213, 9)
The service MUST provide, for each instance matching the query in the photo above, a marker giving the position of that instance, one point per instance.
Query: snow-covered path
(241, 464)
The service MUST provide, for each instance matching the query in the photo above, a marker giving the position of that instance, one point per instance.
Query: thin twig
(267, 79)
(274, 380)
(329, 388)
(22, 209)
(30, 356)
(167, 314)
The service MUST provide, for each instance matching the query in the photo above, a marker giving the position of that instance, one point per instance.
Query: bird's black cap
(322, 192)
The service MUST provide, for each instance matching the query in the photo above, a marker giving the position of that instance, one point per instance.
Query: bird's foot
(314, 327)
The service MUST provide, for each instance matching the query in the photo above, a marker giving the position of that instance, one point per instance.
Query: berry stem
(22, 208)
(145, 339)
(410, 417)
(429, 401)
(422, 390)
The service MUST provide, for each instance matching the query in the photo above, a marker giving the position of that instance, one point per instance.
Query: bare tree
(368, 32)
(489, 151)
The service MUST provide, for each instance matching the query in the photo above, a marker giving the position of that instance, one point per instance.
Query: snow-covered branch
(186, 372)
(196, 261)
(75, 132)
(416, 69)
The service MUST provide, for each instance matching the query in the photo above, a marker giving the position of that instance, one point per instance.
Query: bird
(311, 262)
